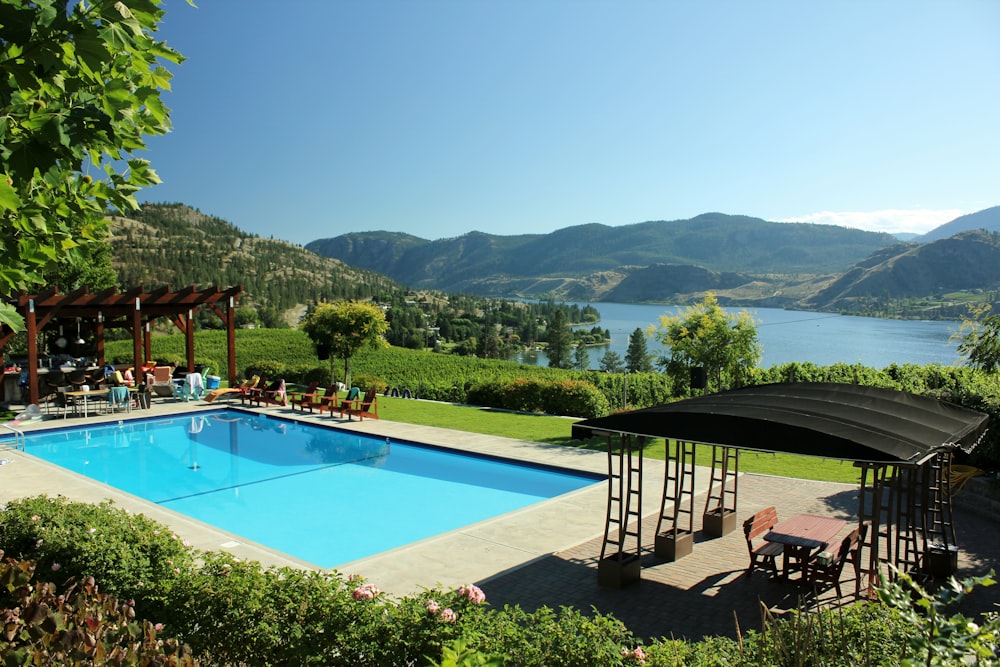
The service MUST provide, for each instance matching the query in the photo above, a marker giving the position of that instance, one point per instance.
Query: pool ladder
(18, 437)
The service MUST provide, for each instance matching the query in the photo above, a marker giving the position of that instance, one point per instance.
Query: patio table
(85, 395)
(801, 534)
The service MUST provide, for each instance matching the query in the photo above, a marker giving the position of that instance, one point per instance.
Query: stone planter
(718, 522)
(615, 572)
(666, 546)
(941, 560)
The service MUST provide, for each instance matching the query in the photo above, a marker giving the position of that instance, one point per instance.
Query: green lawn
(556, 430)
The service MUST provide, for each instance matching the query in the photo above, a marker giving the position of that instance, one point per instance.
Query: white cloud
(893, 221)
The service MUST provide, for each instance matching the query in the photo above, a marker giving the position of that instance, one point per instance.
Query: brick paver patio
(707, 592)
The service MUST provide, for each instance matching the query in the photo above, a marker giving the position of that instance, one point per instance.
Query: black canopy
(842, 421)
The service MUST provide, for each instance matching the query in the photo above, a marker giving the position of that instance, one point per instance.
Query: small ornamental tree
(80, 90)
(706, 335)
(560, 341)
(343, 328)
(637, 356)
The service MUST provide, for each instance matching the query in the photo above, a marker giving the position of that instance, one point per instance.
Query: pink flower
(158, 627)
(56, 567)
(35, 517)
(473, 592)
(636, 655)
(91, 530)
(365, 592)
(38, 543)
(177, 570)
(433, 606)
(448, 616)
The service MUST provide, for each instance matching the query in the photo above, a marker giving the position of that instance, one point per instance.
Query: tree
(79, 91)
(581, 357)
(706, 335)
(611, 362)
(343, 328)
(980, 344)
(560, 341)
(637, 357)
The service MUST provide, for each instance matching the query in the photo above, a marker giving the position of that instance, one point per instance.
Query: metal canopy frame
(903, 444)
(132, 309)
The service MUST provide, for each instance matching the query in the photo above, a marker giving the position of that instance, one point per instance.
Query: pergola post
(99, 339)
(675, 527)
(231, 341)
(138, 360)
(189, 339)
(621, 563)
(719, 517)
(31, 326)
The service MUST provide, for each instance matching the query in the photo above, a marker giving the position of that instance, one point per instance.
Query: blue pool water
(322, 495)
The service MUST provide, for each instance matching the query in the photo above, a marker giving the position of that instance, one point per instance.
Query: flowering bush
(365, 592)
(131, 555)
(473, 593)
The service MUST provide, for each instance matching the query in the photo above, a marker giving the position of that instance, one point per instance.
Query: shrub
(79, 626)
(272, 370)
(367, 381)
(131, 555)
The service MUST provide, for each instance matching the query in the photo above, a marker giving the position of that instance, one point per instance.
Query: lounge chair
(366, 406)
(316, 399)
(163, 384)
(241, 389)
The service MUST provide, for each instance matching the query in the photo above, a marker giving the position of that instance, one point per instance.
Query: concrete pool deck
(547, 554)
(470, 554)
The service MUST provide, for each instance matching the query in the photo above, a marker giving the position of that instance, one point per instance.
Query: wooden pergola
(132, 309)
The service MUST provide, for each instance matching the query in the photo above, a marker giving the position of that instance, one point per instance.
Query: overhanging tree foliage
(980, 342)
(80, 91)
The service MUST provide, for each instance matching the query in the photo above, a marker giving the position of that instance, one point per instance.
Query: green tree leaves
(79, 86)
(343, 328)
(706, 335)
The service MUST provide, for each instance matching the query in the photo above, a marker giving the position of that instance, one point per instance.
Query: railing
(19, 441)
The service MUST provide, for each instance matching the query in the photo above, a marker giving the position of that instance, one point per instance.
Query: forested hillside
(945, 274)
(178, 245)
(713, 241)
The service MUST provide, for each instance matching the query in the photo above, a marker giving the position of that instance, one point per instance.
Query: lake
(794, 335)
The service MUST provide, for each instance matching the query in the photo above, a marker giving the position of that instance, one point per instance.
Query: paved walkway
(547, 554)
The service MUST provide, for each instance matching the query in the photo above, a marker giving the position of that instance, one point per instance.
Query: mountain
(177, 245)
(966, 262)
(483, 263)
(988, 219)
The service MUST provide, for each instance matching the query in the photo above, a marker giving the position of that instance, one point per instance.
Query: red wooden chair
(764, 555)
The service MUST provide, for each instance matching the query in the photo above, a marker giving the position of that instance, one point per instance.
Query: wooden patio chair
(295, 395)
(315, 399)
(764, 555)
(363, 407)
(824, 572)
(334, 403)
(273, 394)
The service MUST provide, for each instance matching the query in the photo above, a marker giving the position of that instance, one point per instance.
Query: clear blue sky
(311, 119)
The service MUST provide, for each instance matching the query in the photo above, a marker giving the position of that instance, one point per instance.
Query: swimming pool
(322, 495)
